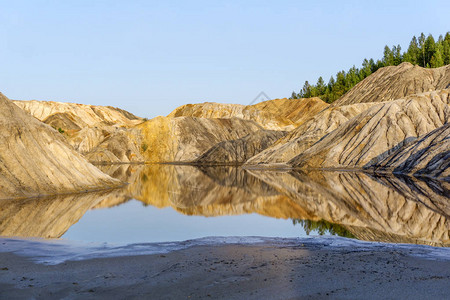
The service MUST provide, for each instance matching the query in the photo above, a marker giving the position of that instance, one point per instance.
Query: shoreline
(268, 268)
(57, 251)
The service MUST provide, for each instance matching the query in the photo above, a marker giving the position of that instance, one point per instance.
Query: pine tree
(352, 78)
(412, 55)
(430, 49)
(397, 55)
(388, 56)
(447, 36)
(366, 69)
(421, 57)
(339, 87)
(446, 49)
(329, 95)
(306, 90)
(373, 65)
(321, 87)
(437, 60)
(331, 83)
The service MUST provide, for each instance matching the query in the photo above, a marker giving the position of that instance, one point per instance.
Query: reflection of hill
(206, 191)
(432, 193)
(125, 173)
(48, 217)
(210, 191)
(390, 209)
(369, 207)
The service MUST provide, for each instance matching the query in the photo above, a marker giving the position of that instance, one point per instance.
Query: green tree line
(423, 51)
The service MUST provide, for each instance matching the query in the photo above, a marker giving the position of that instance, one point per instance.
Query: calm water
(175, 203)
(132, 222)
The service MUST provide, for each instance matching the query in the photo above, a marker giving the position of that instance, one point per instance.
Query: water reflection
(47, 217)
(388, 209)
(323, 227)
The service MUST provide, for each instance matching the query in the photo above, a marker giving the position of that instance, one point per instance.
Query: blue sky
(149, 57)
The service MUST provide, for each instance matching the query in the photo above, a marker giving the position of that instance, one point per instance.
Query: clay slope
(236, 152)
(304, 136)
(103, 134)
(395, 82)
(184, 139)
(428, 156)
(379, 130)
(279, 114)
(35, 160)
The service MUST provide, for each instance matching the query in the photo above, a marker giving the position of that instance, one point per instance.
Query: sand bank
(273, 269)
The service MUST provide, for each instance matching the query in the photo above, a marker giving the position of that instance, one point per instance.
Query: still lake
(176, 203)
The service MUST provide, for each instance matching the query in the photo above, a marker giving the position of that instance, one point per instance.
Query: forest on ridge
(424, 51)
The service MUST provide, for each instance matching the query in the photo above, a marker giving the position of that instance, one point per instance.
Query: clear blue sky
(149, 57)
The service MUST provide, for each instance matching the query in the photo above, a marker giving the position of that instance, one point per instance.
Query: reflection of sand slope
(368, 207)
(207, 191)
(432, 193)
(192, 191)
(48, 217)
(386, 209)
(124, 172)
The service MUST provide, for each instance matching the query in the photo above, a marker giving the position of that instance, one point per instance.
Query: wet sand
(233, 272)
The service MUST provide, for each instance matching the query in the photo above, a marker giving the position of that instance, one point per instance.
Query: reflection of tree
(322, 227)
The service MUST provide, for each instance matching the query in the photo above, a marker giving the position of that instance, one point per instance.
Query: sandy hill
(395, 82)
(428, 155)
(80, 115)
(383, 127)
(103, 134)
(305, 135)
(35, 160)
(236, 152)
(296, 110)
(279, 114)
(273, 115)
(384, 86)
(183, 139)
